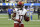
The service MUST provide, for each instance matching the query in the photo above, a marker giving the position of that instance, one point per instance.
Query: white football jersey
(20, 13)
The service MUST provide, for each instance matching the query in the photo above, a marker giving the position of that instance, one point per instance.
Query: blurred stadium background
(4, 22)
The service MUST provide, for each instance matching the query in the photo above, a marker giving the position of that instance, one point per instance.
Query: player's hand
(18, 20)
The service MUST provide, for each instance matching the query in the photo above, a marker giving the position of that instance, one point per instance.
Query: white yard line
(3, 14)
(3, 17)
(30, 20)
(34, 20)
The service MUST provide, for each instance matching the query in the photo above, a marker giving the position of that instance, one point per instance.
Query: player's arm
(25, 15)
(13, 16)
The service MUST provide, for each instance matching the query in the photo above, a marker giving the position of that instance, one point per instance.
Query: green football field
(4, 22)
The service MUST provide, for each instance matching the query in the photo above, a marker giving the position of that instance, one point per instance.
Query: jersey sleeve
(15, 10)
(25, 10)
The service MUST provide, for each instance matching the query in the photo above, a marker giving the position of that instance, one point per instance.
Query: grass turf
(4, 22)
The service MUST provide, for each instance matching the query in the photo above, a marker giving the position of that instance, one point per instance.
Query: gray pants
(9, 16)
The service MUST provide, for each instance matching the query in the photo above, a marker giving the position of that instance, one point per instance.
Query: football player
(18, 15)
